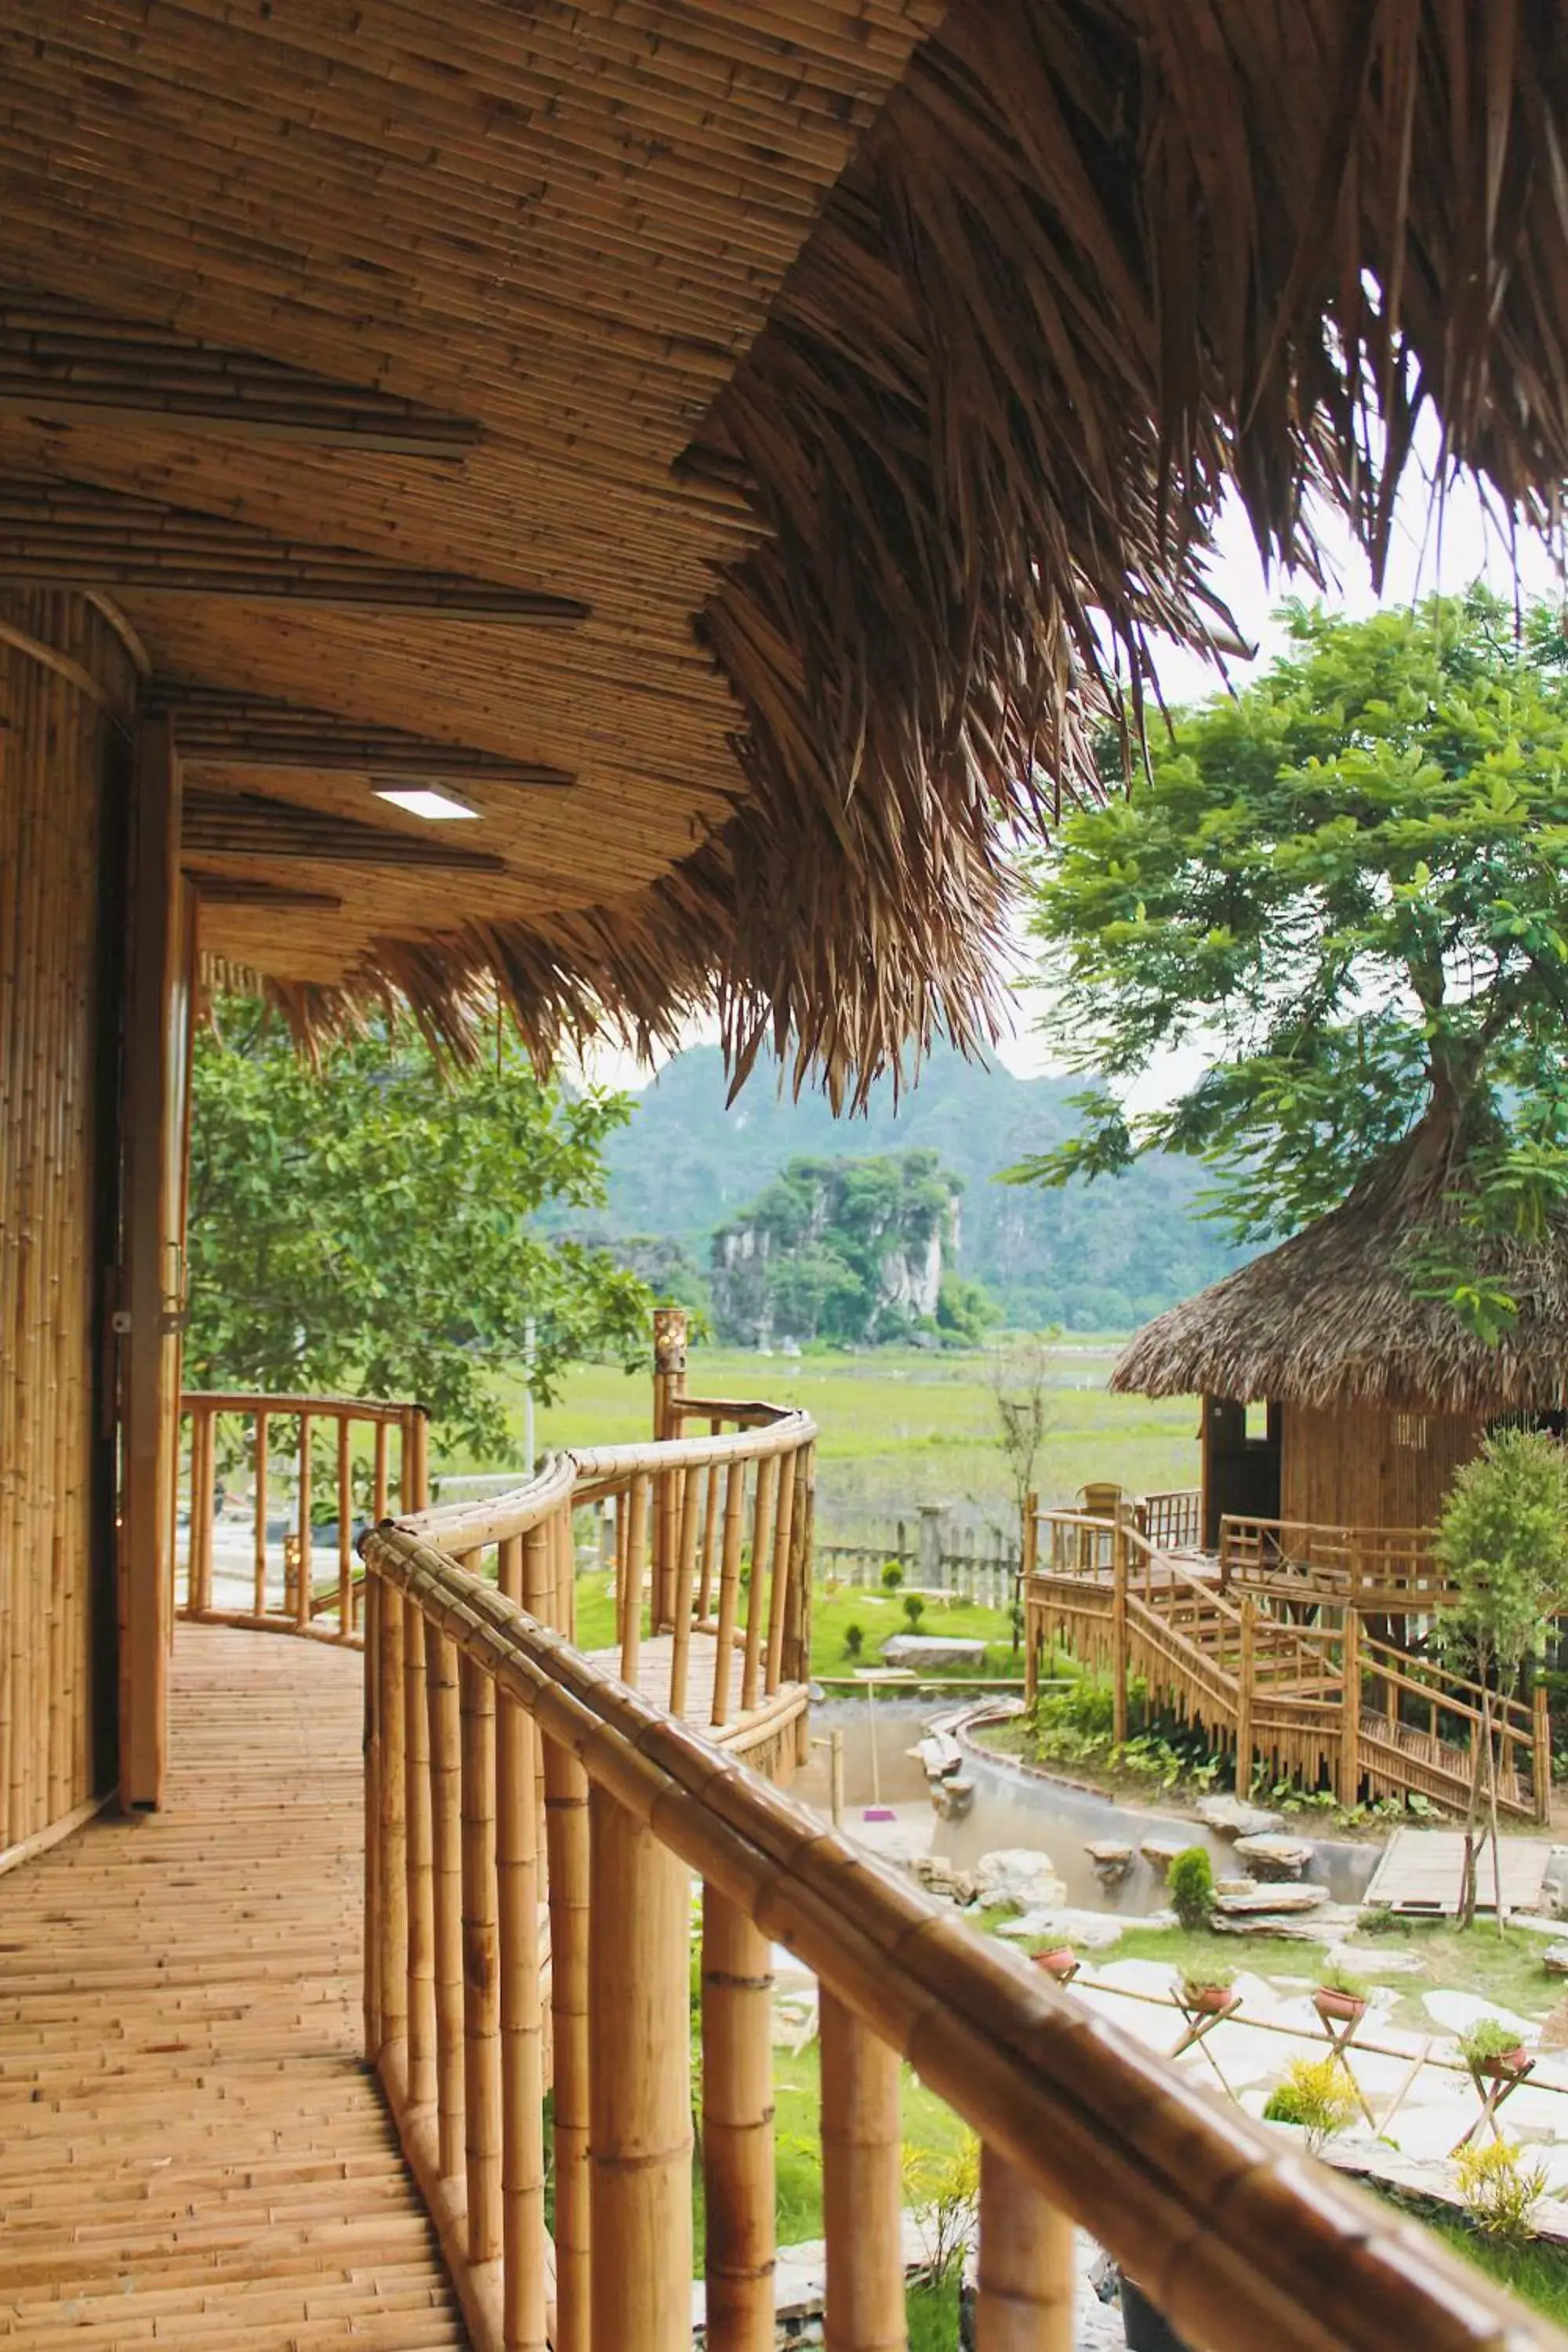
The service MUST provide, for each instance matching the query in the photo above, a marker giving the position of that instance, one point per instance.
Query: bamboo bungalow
(604, 510)
(1336, 1396)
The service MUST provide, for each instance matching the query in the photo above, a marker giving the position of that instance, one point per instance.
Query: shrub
(914, 1609)
(1337, 1979)
(1315, 2095)
(1499, 2191)
(1208, 1978)
(892, 1577)
(854, 1640)
(1487, 2038)
(1191, 1883)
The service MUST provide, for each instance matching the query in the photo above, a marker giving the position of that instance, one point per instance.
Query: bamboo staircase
(1279, 1673)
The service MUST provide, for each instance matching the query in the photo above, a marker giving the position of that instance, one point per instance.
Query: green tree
(364, 1225)
(1344, 887)
(1502, 1541)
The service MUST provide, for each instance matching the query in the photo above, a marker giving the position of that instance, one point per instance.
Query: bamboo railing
(509, 1777)
(1379, 1570)
(1173, 1520)
(1291, 1680)
(275, 1442)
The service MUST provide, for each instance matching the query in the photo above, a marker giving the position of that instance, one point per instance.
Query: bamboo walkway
(192, 2153)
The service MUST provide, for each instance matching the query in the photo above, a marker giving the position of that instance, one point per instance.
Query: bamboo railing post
(302, 1587)
(641, 2128)
(566, 1848)
(1243, 1688)
(681, 1595)
(1026, 2277)
(636, 1545)
(796, 1655)
(729, 1589)
(1028, 1560)
(1350, 1709)
(202, 1504)
(421, 1889)
(709, 1533)
(525, 2316)
(1119, 1631)
(756, 1596)
(778, 1588)
(374, 1592)
(447, 1891)
(1541, 1771)
(381, 1484)
(391, 1867)
(481, 1996)
(668, 1388)
(259, 1460)
(737, 2128)
(345, 1525)
(862, 2185)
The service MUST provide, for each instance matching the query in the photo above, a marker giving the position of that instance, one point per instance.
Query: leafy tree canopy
(1345, 885)
(1503, 1542)
(366, 1226)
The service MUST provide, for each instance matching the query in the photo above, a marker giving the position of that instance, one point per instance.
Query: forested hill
(1098, 1256)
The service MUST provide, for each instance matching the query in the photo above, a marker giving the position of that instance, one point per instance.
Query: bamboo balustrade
(1285, 1676)
(1173, 1520)
(1387, 1572)
(1241, 2245)
(295, 1584)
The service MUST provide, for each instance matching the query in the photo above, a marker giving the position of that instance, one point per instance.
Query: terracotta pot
(1060, 1961)
(1212, 2001)
(1347, 2007)
(1506, 2062)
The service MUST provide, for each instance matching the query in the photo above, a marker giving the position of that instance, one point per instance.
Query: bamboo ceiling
(825, 392)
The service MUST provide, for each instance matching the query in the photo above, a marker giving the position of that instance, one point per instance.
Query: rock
(939, 1754)
(1555, 1961)
(1231, 1817)
(952, 1798)
(1111, 1862)
(1018, 1874)
(935, 1872)
(919, 1650)
(1095, 1931)
(1243, 1885)
(1270, 1857)
(1160, 1853)
(1276, 1899)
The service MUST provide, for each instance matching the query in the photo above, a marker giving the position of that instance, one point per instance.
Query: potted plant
(1060, 1962)
(1208, 1991)
(1490, 2047)
(1340, 1996)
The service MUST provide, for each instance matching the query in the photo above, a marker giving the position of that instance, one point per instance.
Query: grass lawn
(1538, 2274)
(880, 1615)
(900, 1426)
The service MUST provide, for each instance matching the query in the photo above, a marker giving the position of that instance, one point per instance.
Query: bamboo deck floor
(192, 2154)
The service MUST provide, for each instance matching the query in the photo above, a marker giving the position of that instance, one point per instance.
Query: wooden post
(1028, 1561)
(380, 1487)
(710, 1535)
(778, 1592)
(1119, 1631)
(204, 1489)
(157, 1023)
(567, 1825)
(481, 1993)
(729, 1589)
(375, 1589)
(421, 1890)
(1028, 2277)
(259, 1472)
(636, 1546)
(302, 1525)
(1541, 1765)
(391, 1867)
(756, 1597)
(447, 1890)
(1350, 1709)
(525, 2316)
(680, 1596)
(668, 1388)
(737, 2128)
(345, 1527)
(862, 2185)
(1243, 1673)
(640, 2134)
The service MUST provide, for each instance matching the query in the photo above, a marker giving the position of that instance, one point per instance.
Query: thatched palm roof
(863, 371)
(1335, 1315)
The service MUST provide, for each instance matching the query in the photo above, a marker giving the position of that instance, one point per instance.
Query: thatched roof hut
(1374, 1392)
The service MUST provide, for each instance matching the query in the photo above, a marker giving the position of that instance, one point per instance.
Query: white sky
(1432, 549)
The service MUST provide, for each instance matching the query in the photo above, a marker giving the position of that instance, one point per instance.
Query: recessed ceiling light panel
(421, 799)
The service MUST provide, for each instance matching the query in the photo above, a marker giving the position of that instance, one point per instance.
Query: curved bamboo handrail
(1243, 2242)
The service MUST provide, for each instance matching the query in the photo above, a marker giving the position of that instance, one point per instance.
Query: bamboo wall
(1361, 1467)
(66, 685)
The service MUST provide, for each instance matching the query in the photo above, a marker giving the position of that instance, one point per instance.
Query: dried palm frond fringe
(1095, 260)
(1336, 1315)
